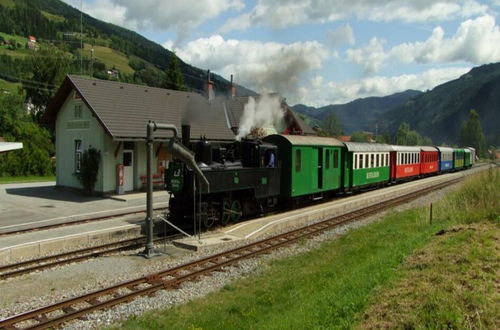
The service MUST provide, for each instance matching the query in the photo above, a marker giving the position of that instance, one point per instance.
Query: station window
(78, 155)
(297, 160)
(335, 159)
(327, 161)
(78, 111)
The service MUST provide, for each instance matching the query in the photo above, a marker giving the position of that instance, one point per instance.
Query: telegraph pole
(81, 37)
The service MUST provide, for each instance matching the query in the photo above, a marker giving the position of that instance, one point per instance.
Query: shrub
(89, 169)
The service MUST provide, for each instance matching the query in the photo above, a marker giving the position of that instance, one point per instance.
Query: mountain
(439, 113)
(135, 58)
(360, 114)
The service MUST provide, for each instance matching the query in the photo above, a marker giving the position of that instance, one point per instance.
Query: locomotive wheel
(236, 210)
(211, 217)
(226, 213)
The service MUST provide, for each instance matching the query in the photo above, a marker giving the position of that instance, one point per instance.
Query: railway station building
(112, 116)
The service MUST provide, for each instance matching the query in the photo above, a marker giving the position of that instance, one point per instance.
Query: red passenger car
(405, 163)
(429, 158)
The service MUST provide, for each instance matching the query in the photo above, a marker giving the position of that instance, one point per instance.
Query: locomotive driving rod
(178, 151)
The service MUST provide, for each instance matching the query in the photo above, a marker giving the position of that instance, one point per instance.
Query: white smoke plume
(257, 114)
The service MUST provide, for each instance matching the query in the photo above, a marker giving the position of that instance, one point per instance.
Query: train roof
(367, 147)
(305, 140)
(405, 148)
(445, 149)
(428, 149)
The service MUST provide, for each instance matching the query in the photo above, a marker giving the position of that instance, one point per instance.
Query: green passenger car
(458, 159)
(310, 165)
(366, 164)
(467, 158)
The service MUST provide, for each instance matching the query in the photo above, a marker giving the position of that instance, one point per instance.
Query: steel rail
(172, 278)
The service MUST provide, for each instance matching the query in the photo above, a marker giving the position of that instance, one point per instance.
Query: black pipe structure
(177, 150)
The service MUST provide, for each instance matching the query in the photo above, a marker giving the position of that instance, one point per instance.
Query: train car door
(320, 167)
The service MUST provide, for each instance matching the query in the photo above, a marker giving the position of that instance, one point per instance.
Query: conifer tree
(174, 78)
(471, 134)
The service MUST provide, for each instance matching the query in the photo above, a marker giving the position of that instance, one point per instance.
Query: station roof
(123, 110)
(306, 140)
(10, 146)
(367, 147)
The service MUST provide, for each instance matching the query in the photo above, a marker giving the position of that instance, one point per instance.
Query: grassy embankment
(396, 272)
(22, 179)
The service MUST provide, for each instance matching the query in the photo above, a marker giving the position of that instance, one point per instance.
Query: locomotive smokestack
(186, 132)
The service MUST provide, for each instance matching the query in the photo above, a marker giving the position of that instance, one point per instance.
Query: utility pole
(81, 37)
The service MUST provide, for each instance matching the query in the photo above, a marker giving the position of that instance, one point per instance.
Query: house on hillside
(32, 44)
(112, 116)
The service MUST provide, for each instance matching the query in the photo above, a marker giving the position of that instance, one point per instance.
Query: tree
(331, 125)
(174, 78)
(17, 126)
(471, 134)
(407, 137)
(48, 68)
(89, 169)
(359, 137)
(402, 134)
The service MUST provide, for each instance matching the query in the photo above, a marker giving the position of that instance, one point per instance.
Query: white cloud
(182, 16)
(262, 66)
(320, 94)
(341, 36)
(475, 41)
(282, 14)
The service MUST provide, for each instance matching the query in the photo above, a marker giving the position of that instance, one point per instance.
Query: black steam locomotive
(243, 177)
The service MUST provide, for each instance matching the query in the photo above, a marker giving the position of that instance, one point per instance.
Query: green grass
(335, 284)
(53, 18)
(110, 57)
(7, 3)
(451, 283)
(22, 179)
(17, 38)
(9, 86)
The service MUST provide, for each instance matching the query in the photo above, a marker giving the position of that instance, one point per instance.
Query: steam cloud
(264, 111)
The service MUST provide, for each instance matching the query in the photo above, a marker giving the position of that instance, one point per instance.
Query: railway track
(29, 266)
(77, 307)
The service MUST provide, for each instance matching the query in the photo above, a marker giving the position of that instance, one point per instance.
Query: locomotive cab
(258, 154)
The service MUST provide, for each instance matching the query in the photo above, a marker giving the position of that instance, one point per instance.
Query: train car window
(372, 161)
(327, 160)
(361, 161)
(367, 160)
(297, 160)
(335, 159)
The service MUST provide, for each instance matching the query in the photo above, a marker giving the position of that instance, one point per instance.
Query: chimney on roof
(209, 88)
(232, 88)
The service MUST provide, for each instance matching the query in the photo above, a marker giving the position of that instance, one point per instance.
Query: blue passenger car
(445, 159)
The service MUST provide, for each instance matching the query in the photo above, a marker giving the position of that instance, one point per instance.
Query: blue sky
(319, 52)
